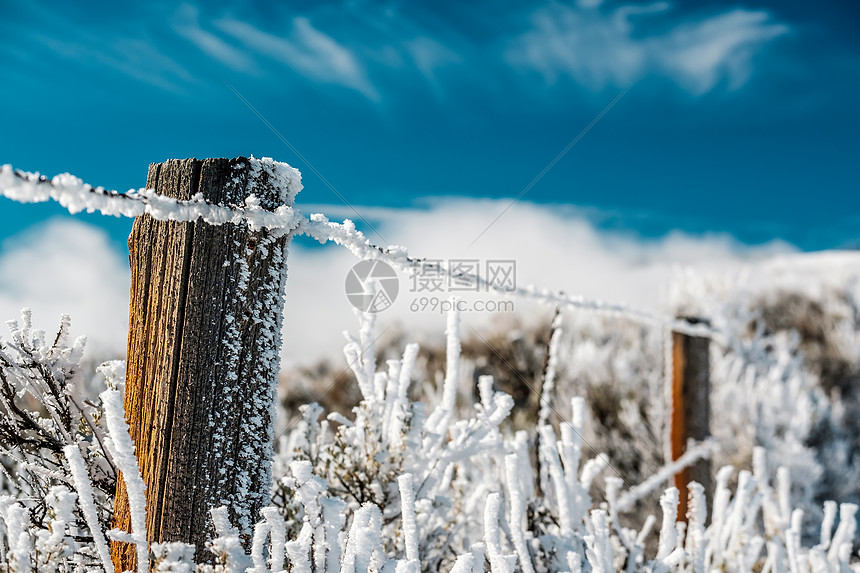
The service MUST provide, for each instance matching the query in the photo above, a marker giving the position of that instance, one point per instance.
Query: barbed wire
(345, 234)
(76, 196)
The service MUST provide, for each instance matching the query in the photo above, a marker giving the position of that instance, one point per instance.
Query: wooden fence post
(691, 410)
(203, 354)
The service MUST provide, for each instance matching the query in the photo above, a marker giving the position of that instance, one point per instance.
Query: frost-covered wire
(345, 234)
(75, 195)
(552, 363)
(694, 453)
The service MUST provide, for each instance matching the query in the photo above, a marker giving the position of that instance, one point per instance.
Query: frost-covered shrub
(785, 371)
(399, 485)
(45, 408)
(787, 379)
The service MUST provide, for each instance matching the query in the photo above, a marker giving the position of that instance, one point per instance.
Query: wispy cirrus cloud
(132, 55)
(376, 50)
(45, 42)
(700, 54)
(305, 49)
(599, 46)
(187, 25)
(371, 50)
(430, 55)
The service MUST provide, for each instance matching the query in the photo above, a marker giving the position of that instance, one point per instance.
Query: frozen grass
(402, 485)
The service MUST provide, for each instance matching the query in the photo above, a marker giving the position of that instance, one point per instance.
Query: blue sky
(742, 118)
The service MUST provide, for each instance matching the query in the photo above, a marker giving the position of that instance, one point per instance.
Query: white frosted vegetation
(365, 494)
(121, 446)
(82, 484)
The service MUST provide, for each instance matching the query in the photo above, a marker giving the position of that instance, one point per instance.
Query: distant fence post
(691, 410)
(203, 355)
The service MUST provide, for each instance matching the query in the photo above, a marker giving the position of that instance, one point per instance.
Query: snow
(517, 520)
(277, 529)
(465, 564)
(440, 418)
(18, 536)
(122, 449)
(599, 550)
(84, 488)
(548, 388)
(76, 196)
(564, 494)
(257, 428)
(227, 545)
(694, 453)
(499, 562)
(407, 510)
(844, 536)
(334, 518)
(361, 541)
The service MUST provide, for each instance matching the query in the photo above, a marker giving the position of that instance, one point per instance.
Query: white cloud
(367, 49)
(69, 267)
(132, 55)
(187, 25)
(64, 266)
(554, 247)
(116, 43)
(698, 55)
(429, 56)
(599, 46)
(306, 50)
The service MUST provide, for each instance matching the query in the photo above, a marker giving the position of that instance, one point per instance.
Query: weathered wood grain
(204, 337)
(691, 410)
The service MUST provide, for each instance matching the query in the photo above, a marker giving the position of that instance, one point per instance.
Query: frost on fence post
(204, 336)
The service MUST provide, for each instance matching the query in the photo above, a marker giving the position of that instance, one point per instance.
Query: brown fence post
(691, 410)
(203, 355)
